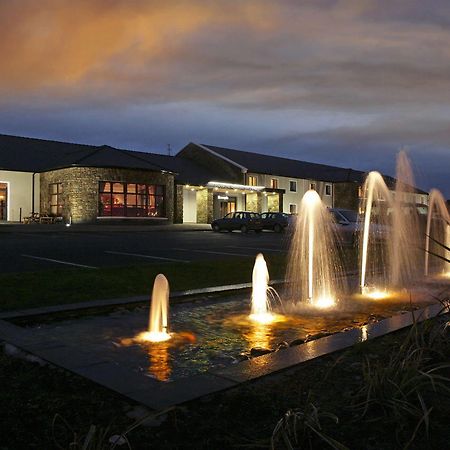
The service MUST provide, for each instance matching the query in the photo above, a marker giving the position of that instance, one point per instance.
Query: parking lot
(35, 251)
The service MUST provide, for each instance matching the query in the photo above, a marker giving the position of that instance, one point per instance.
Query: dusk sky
(346, 83)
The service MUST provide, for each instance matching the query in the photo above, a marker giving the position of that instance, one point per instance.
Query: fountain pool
(209, 334)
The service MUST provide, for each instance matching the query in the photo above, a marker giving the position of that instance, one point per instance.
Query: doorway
(3, 201)
(227, 206)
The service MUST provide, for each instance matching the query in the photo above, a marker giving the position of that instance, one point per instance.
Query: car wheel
(277, 228)
(244, 229)
(216, 228)
(258, 231)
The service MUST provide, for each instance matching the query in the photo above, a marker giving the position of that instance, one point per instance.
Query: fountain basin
(210, 335)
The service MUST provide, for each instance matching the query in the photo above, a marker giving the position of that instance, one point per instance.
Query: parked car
(239, 220)
(276, 221)
(348, 224)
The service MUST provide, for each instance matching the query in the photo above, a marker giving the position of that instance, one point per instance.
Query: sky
(341, 82)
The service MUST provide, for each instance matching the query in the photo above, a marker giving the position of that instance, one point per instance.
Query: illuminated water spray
(158, 327)
(313, 268)
(376, 198)
(261, 292)
(438, 228)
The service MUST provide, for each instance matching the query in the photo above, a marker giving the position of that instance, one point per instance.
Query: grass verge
(54, 287)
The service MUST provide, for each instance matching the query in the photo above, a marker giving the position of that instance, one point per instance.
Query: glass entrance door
(3, 201)
(228, 206)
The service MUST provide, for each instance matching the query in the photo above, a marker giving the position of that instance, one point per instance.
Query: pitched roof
(275, 165)
(39, 155)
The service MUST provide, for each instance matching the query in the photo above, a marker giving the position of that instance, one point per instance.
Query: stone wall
(273, 203)
(253, 202)
(346, 195)
(81, 184)
(205, 205)
(178, 202)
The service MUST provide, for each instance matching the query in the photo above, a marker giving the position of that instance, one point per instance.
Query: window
(56, 200)
(252, 180)
(312, 186)
(293, 186)
(131, 200)
(293, 208)
(328, 190)
(274, 183)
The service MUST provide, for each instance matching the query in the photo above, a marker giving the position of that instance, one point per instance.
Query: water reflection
(160, 367)
(259, 335)
(364, 333)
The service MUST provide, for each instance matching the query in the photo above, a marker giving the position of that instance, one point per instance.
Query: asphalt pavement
(32, 248)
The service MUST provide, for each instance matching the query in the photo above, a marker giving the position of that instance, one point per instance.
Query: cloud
(333, 78)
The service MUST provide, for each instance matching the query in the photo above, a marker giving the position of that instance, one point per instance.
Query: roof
(40, 155)
(25, 154)
(276, 165)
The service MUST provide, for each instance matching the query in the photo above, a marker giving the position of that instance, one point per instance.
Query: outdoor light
(222, 185)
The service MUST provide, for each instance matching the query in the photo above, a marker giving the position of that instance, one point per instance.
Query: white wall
(189, 205)
(20, 192)
(294, 197)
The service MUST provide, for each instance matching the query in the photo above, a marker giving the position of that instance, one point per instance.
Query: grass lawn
(54, 287)
(330, 393)
(32, 289)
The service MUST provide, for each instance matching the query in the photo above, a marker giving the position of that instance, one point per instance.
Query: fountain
(313, 269)
(262, 293)
(390, 236)
(405, 239)
(159, 312)
(376, 202)
(438, 229)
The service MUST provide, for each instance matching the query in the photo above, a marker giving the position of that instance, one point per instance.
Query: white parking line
(138, 255)
(211, 252)
(259, 249)
(58, 261)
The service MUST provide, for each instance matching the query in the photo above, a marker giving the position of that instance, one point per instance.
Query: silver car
(349, 223)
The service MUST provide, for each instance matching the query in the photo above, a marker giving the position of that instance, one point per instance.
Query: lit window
(131, 200)
(293, 208)
(56, 199)
(328, 189)
(252, 180)
(293, 186)
(274, 183)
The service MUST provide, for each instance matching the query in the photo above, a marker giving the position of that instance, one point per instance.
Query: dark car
(240, 220)
(276, 221)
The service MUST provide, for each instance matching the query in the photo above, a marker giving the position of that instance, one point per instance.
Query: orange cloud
(54, 43)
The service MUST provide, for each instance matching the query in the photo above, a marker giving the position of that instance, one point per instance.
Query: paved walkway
(100, 227)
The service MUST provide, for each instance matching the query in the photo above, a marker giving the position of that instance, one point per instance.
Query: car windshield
(351, 216)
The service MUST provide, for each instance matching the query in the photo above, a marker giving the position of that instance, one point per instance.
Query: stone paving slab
(181, 391)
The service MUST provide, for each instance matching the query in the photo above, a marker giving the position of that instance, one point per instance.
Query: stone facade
(253, 202)
(81, 185)
(205, 200)
(178, 213)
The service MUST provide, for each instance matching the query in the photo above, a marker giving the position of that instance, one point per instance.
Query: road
(32, 251)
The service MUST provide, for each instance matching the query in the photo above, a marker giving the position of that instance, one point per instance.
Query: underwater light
(374, 294)
(154, 336)
(262, 318)
(324, 302)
